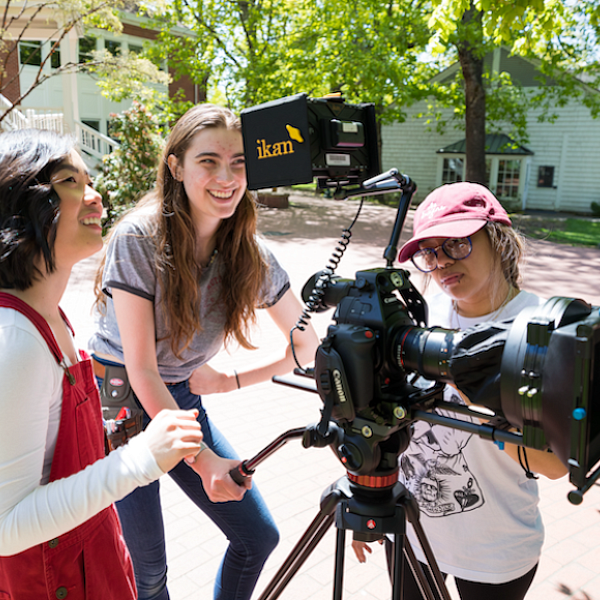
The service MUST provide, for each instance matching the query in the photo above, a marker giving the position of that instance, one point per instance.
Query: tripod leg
(398, 566)
(418, 573)
(301, 551)
(438, 578)
(402, 549)
(340, 550)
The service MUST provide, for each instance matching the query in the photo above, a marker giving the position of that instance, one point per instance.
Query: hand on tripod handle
(214, 471)
(241, 474)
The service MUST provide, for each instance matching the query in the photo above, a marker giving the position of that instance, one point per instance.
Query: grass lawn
(578, 232)
(572, 231)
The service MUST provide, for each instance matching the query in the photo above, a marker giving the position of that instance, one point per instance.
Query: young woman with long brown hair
(185, 272)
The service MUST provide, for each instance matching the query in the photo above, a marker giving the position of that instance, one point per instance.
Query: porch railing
(93, 142)
(32, 119)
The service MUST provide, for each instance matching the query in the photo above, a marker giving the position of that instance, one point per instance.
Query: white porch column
(69, 53)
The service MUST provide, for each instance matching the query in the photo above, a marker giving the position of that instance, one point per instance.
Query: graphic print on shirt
(435, 471)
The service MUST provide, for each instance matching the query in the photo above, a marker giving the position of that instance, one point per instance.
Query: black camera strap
(522, 453)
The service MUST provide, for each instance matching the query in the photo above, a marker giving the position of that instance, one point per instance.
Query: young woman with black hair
(59, 533)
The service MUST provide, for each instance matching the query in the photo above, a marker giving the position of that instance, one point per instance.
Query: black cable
(529, 474)
(314, 301)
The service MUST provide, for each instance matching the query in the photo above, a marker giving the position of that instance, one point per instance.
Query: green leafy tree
(561, 36)
(130, 170)
(245, 52)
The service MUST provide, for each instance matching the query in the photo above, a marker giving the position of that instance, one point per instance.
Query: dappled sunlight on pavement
(560, 270)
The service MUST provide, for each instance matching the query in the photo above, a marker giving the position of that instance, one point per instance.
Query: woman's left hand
(206, 380)
(214, 472)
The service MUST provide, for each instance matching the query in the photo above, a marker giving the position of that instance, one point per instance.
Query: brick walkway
(293, 479)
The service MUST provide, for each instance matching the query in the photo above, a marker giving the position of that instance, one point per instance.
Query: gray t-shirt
(130, 267)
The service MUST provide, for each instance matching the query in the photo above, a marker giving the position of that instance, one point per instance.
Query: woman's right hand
(172, 435)
(217, 482)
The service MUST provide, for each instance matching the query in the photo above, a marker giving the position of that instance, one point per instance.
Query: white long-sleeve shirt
(32, 510)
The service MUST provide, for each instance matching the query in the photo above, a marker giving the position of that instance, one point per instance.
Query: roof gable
(523, 71)
(495, 143)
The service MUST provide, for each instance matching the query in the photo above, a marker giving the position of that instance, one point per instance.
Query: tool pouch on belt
(117, 398)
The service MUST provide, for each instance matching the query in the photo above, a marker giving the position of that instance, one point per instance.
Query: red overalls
(90, 562)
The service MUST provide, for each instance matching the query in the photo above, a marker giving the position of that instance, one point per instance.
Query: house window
(508, 178)
(55, 58)
(545, 177)
(30, 53)
(135, 49)
(113, 47)
(503, 175)
(93, 123)
(453, 170)
(87, 46)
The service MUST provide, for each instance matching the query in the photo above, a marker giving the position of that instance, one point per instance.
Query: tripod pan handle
(240, 473)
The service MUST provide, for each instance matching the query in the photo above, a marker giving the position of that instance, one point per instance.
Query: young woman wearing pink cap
(479, 506)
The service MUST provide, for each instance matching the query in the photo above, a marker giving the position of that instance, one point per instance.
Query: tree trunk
(470, 55)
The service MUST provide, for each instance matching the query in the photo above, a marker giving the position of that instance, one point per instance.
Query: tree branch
(21, 33)
(62, 33)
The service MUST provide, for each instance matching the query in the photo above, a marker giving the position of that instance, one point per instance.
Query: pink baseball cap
(453, 210)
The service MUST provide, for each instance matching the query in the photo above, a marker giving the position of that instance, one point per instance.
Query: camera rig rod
(488, 431)
(390, 181)
(246, 468)
(408, 187)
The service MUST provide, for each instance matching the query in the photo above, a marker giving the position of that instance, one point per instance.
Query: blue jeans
(248, 525)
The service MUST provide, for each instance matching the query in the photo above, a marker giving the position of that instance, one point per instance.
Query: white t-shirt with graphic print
(478, 508)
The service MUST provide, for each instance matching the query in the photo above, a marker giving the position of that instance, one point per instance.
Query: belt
(100, 370)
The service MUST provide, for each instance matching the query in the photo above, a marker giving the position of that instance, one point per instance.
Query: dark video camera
(539, 373)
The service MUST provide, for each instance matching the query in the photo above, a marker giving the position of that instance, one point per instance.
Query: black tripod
(370, 506)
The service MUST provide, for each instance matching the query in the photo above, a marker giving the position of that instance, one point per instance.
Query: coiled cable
(314, 300)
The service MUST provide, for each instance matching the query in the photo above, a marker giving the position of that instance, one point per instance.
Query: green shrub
(596, 209)
(130, 171)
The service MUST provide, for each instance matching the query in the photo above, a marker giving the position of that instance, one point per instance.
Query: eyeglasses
(426, 259)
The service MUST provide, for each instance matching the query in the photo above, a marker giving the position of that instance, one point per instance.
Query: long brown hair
(173, 228)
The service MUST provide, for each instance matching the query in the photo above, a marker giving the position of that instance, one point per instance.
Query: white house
(556, 171)
(69, 101)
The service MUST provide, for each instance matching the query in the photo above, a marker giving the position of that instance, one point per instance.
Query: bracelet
(237, 379)
(203, 447)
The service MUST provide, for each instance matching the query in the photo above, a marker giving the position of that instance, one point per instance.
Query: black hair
(29, 207)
